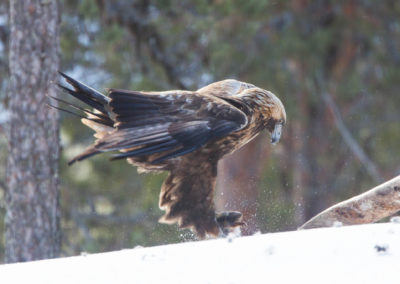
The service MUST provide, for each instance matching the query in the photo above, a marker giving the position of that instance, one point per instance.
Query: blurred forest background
(334, 64)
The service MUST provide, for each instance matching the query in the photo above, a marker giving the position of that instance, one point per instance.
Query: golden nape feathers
(183, 132)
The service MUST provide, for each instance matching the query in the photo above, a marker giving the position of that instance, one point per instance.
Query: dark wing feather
(90, 97)
(173, 123)
(84, 90)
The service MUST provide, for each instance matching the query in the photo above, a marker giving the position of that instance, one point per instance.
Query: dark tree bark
(33, 216)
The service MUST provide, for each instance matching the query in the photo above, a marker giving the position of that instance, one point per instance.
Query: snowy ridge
(354, 254)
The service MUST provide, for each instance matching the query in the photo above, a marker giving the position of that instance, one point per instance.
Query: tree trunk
(32, 203)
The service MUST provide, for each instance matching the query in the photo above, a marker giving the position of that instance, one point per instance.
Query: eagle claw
(229, 222)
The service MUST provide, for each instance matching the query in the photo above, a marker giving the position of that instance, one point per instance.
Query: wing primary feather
(177, 153)
(99, 115)
(84, 99)
(88, 153)
(129, 144)
(133, 137)
(67, 111)
(88, 91)
(169, 145)
(129, 105)
(78, 115)
(123, 96)
(194, 139)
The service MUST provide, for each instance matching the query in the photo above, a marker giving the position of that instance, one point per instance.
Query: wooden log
(371, 206)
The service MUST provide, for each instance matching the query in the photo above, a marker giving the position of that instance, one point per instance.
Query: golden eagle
(183, 132)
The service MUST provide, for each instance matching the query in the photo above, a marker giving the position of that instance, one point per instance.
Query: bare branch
(349, 139)
(137, 23)
(371, 206)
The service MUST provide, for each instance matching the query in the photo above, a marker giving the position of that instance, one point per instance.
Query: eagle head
(278, 118)
(272, 111)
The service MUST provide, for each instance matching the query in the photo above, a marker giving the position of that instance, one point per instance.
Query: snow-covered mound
(355, 254)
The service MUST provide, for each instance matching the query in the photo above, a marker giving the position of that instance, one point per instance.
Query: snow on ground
(356, 254)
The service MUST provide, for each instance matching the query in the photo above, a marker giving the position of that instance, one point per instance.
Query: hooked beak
(276, 134)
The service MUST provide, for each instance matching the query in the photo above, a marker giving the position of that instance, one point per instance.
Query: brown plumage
(185, 133)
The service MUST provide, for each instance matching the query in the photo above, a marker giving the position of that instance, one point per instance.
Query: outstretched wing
(173, 123)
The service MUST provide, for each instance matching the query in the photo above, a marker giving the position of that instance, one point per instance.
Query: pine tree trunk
(32, 197)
